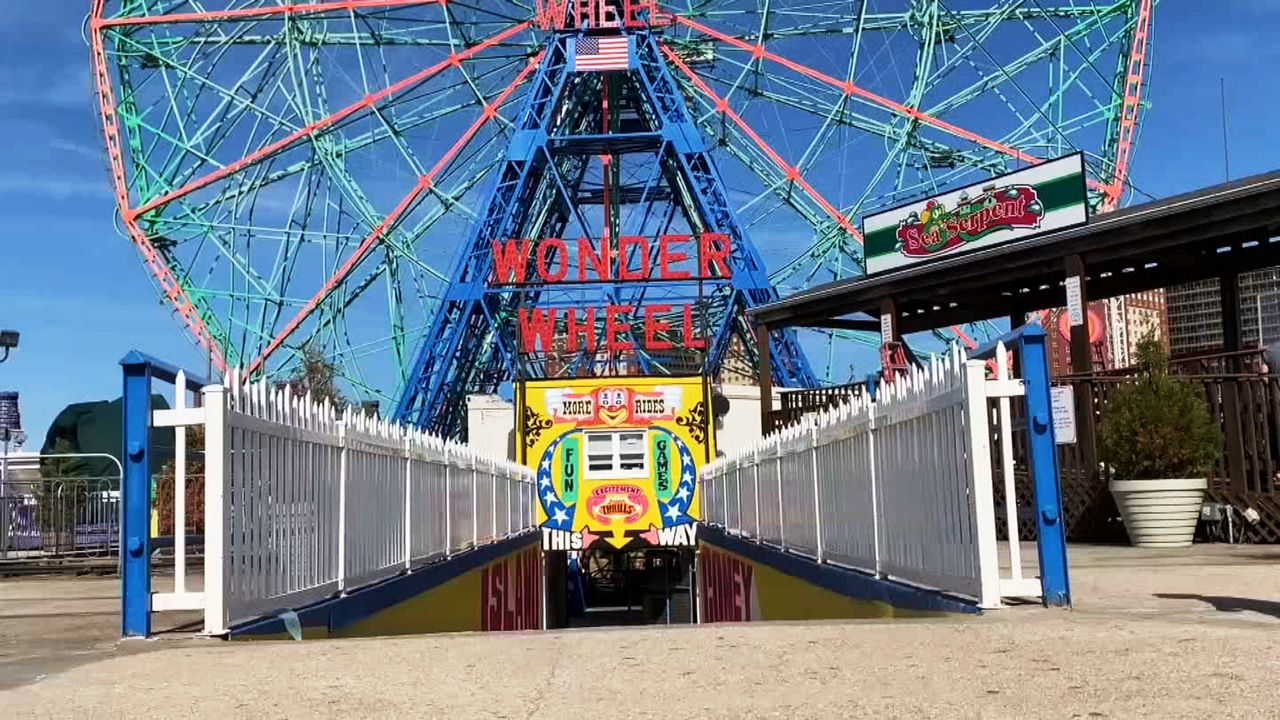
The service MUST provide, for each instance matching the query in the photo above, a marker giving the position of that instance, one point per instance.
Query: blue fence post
(135, 595)
(1052, 546)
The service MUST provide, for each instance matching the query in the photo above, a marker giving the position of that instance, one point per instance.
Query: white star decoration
(683, 494)
(672, 512)
(559, 516)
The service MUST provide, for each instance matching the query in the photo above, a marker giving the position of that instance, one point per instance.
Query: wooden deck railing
(1247, 407)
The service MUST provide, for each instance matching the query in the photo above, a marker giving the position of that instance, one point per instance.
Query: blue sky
(76, 290)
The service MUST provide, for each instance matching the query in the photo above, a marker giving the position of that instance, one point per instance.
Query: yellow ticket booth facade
(616, 459)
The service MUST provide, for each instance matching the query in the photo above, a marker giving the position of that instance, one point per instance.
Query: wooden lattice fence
(1248, 411)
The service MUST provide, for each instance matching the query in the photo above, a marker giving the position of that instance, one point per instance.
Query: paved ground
(51, 624)
(1155, 634)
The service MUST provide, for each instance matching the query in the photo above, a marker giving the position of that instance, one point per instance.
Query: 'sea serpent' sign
(1049, 196)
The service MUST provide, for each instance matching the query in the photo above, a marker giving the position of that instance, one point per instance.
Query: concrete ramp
(494, 587)
(505, 586)
(742, 581)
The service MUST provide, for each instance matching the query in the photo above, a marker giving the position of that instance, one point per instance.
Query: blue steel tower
(603, 154)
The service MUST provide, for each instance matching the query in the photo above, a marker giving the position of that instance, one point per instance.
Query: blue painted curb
(336, 613)
(843, 581)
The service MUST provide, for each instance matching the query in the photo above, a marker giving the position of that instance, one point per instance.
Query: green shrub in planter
(1161, 442)
(1159, 426)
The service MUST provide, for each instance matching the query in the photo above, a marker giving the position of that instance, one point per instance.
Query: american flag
(601, 53)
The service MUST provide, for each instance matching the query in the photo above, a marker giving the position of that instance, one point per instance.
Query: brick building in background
(1115, 327)
(1129, 319)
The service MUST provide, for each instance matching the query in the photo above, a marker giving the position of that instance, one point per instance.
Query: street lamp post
(7, 437)
(8, 341)
(5, 512)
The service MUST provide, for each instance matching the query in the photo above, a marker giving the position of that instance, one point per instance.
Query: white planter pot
(1160, 513)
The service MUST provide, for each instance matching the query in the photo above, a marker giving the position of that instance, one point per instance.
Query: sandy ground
(1154, 634)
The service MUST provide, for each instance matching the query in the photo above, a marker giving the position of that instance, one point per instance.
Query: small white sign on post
(886, 328)
(1075, 308)
(1063, 399)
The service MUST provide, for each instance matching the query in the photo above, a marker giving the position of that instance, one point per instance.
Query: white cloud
(32, 87)
(84, 150)
(56, 187)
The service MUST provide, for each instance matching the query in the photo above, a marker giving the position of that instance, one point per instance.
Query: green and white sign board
(1049, 196)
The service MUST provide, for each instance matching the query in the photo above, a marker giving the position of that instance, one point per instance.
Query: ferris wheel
(303, 174)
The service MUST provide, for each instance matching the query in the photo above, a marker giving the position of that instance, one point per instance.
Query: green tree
(165, 494)
(1159, 426)
(61, 494)
(56, 468)
(317, 375)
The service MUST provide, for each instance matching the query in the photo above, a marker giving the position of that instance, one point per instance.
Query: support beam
(889, 310)
(249, 14)
(846, 324)
(1134, 72)
(766, 379)
(135, 592)
(1229, 292)
(1081, 356)
(1017, 320)
(1082, 362)
(199, 324)
(1042, 453)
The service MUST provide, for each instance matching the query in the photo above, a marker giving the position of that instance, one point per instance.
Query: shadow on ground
(1229, 604)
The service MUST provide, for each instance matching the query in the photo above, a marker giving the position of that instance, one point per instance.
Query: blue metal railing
(1029, 342)
(135, 596)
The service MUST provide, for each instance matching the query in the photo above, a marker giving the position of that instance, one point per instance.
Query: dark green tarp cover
(97, 427)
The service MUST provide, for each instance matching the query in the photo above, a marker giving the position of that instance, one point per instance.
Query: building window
(617, 454)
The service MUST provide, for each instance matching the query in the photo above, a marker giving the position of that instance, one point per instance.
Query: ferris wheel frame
(717, 96)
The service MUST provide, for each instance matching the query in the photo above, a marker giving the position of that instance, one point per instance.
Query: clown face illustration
(614, 405)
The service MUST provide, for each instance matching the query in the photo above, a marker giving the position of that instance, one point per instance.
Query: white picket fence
(304, 501)
(899, 488)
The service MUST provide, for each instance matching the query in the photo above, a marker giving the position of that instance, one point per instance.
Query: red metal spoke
(261, 12)
(163, 274)
(964, 337)
(1132, 104)
(489, 112)
(368, 101)
(791, 172)
(849, 88)
(970, 343)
